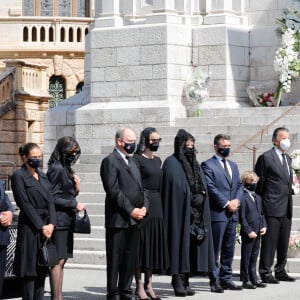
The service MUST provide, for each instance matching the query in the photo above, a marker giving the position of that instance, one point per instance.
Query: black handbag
(82, 224)
(198, 231)
(47, 254)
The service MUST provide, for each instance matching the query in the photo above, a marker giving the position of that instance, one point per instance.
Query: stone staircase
(242, 125)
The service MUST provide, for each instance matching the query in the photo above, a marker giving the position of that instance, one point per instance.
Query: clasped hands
(139, 213)
(233, 205)
(47, 230)
(6, 218)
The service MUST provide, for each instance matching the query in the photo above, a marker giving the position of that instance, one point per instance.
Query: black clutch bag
(47, 254)
(82, 224)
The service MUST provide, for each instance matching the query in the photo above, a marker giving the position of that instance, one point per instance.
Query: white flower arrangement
(286, 61)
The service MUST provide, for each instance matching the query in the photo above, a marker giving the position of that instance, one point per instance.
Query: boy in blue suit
(253, 225)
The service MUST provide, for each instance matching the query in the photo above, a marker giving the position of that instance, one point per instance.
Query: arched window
(25, 34)
(79, 87)
(34, 34)
(42, 34)
(86, 31)
(79, 35)
(51, 34)
(62, 34)
(57, 89)
(71, 38)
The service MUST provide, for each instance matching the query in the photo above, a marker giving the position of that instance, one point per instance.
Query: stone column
(164, 12)
(109, 15)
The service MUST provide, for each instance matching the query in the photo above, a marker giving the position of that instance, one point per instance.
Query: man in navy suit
(275, 187)
(124, 208)
(225, 191)
(6, 215)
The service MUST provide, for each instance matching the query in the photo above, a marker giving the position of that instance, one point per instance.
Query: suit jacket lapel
(278, 163)
(218, 164)
(132, 171)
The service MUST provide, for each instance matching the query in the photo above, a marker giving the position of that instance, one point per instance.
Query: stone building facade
(141, 52)
(42, 54)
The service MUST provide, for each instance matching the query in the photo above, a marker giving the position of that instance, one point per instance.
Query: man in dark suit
(124, 208)
(225, 191)
(6, 215)
(275, 187)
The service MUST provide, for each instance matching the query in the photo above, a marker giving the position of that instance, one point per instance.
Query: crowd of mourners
(177, 217)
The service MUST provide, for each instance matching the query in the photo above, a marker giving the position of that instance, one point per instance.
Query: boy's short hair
(249, 176)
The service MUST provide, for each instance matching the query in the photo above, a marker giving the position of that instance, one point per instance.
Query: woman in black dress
(65, 186)
(37, 218)
(153, 251)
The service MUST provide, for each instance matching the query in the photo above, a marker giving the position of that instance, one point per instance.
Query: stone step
(86, 243)
(88, 257)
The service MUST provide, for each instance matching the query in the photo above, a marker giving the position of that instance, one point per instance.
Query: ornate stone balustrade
(40, 33)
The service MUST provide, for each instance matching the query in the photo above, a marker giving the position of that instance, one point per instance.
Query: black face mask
(129, 147)
(71, 159)
(251, 186)
(34, 163)
(189, 152)
(224, 151)
(154, 146)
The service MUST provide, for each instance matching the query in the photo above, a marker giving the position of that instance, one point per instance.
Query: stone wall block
(210, 35)
(237, 56)
(154, 87)
(264, 36)
(128, 88)
(104, 89)
(104, 57)
(155, 54)
(97, 74)
(128, 73)
(128, 56)
(213, 55)
(178, 55)
(258, 5)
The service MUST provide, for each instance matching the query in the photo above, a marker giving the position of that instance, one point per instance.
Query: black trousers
(249, 255)
(275, 240)
(33, 287)
(3, 251)
(122, 246)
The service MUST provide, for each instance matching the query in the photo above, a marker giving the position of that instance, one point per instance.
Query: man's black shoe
(259, 284)
(248, 285)
(284, 277)
(231, 286)
(270, 279)
(216, 288)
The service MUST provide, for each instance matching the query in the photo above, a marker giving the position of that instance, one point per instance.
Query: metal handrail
(260, 132)
(13, 165)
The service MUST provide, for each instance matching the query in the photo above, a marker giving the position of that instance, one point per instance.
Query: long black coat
(35, 200)
(176, 197)
(64, 193)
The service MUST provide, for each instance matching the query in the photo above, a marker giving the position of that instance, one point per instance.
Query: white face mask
(285, 144)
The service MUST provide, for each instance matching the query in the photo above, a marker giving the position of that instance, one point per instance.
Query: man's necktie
(285, 166)
(228, 176)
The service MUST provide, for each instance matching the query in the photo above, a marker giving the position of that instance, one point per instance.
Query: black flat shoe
(216, 288)
(248, 285)
(260, 284)
(285, 277)
(231, 286)
(270, 279)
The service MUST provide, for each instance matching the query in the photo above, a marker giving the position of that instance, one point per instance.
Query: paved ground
(90, 284)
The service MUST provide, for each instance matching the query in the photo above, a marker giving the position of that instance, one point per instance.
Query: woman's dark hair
(64, 145)
(26, 148)
(145, 139)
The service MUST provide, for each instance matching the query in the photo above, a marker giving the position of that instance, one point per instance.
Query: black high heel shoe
(150, 297)
(136, 293)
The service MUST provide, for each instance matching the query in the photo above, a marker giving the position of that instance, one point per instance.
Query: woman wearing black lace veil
(153, 247)
(65, 186)
(186, 210)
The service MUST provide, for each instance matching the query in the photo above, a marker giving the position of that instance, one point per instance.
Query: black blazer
(273, 186)
(123, 189)
(63, 189)
(5, 205)
(251, 215)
